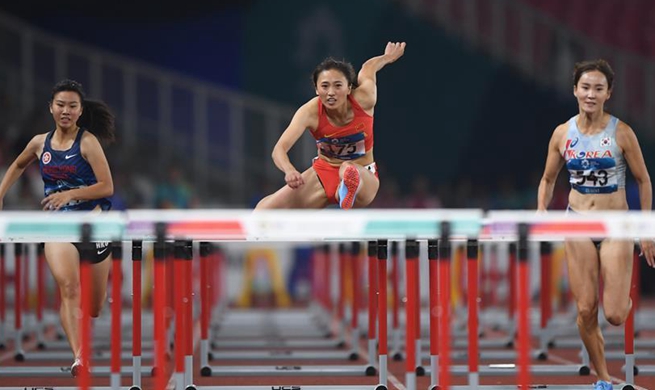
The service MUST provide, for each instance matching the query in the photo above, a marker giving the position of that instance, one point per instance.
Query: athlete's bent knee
(587, 316)
(616, 318)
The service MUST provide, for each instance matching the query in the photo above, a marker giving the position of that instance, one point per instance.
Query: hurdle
(299, 226)
(24, 227)
(522, 226)
(404, 225)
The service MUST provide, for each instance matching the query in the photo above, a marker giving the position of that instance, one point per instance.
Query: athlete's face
(66, 109)
(592, 91)
(332, 88)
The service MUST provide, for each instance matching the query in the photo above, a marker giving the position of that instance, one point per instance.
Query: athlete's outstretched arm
(366, 92)
(554, 163)
(299, 123)
(16, 169)
(627, 139)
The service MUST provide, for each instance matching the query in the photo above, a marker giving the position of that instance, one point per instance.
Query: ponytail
(98, 119)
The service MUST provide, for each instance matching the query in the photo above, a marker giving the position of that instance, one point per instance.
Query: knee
(264, 204)
(70, 291)
(587, 315)
(616, 317)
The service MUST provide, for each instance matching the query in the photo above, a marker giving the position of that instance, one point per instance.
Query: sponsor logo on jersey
(572, 154)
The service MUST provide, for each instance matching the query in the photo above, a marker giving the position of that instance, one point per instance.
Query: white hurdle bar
(323, 225)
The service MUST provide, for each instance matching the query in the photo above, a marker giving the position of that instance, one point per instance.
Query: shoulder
(311, 106)
(624, 133)
(309, 110)
(88, 137)
(89, 142)
(561, 130)
(623, 128)
(39, 138)
(37, 141)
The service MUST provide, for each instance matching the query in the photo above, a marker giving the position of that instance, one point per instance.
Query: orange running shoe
(349, 187)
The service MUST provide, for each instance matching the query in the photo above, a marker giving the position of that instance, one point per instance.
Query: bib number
(594, 178)
(343, 148)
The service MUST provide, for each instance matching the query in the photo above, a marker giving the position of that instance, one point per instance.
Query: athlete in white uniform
(596, 146)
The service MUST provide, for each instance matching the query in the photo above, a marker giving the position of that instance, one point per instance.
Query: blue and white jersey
(595, 162)
(64, 170)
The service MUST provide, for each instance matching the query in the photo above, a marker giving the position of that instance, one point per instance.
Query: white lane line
(562, 360)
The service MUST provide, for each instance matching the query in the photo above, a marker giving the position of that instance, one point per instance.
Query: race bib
(344, 148)
(593, 175)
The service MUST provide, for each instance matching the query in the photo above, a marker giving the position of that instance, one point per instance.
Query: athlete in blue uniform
(76, 177)
(595, 147)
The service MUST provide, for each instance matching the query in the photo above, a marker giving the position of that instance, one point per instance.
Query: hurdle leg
(205, 307)
(16, 250)
(546, 298)
(395, 302)
(354, 320)
(159, 310)
(411, 306)
(433, 246)
(473, 323)
(137, 255)
(629, 330)
(444, 305)
(180, 323)
(373, 283)
(40, 296)
(524, 308)
(116, 308)
(187, 305)
(381, 270)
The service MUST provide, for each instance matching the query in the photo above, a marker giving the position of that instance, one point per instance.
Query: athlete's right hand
(294, 179)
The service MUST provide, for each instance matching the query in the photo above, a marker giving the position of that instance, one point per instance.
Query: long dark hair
(96, 117)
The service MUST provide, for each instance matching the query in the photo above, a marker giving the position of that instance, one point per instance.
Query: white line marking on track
(562, 360)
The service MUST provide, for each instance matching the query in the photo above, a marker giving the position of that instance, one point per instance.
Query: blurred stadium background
(202, 92)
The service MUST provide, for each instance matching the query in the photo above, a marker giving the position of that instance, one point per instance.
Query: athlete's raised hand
(394, 50)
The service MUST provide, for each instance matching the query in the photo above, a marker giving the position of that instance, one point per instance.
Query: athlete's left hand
(394, 50)
(648, 251)
(55, 201)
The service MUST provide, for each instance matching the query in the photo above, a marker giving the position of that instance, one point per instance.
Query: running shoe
(349, 187)
(76, 368)
(602, 385)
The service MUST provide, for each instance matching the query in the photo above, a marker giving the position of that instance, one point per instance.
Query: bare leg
(64, 262)
(99, 277)
(616, 260)
(584, 269)
(311, 195)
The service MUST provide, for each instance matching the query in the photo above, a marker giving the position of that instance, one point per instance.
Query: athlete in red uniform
(340, 118)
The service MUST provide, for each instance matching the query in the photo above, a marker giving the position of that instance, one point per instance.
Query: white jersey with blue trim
(595, 162)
